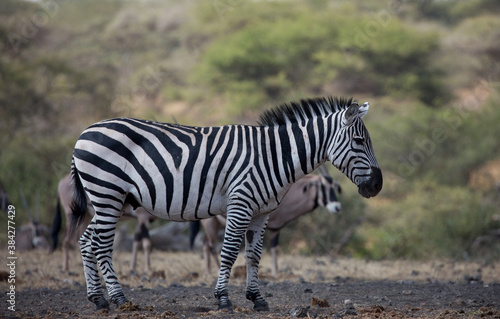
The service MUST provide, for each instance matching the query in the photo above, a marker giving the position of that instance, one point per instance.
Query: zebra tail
(194, 228)
(79, 203)
(56, 227)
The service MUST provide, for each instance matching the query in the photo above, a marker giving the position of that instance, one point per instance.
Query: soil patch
(307, 287)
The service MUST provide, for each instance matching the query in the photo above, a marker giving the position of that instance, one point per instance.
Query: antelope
(64, 197)
(32, 235)
(303, 197)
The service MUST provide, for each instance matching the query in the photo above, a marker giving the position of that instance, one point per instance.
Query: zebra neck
(302, 147)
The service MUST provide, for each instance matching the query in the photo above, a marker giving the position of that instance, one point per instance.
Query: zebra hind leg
(92, 278)
(102, 245)
(253, 250)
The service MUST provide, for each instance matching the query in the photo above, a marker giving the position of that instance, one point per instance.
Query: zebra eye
(358, 140)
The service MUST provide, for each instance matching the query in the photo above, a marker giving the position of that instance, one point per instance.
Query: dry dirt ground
(306, 287)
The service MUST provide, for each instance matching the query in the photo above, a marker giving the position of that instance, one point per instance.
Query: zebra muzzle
(372, 186)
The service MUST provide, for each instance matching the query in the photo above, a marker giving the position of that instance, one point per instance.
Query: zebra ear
(351, 113)
(363, 109)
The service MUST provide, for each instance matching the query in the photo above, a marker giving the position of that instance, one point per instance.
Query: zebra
(185, 173)
(303, 197)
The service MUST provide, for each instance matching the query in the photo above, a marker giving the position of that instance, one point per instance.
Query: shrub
(266, 61)
(432, 221)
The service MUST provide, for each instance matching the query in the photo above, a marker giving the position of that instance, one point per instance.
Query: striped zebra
(183, 173)
(305, 195)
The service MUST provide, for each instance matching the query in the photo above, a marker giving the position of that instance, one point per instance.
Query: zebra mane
(303, 110)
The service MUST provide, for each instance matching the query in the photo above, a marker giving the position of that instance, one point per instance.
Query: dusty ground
(345, 288)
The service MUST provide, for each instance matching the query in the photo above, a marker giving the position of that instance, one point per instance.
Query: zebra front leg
(102, 245)
(235, 229)
(94, 290)
(253, 250)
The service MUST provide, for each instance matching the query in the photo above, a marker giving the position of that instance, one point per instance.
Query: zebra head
(351, 151)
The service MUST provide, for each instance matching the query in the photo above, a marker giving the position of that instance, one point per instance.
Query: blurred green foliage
(429, 69)
(308, 49)
(433, 221)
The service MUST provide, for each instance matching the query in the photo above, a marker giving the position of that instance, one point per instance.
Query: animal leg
(102, 245)
(65, 249)
(211, 227)
(235, 230)
(274, 251)
(253, 250)
(206, 258)
(94, 290)
(146, 246)
(135, 246)
(141, 235)
(209, 253)
(215, 256)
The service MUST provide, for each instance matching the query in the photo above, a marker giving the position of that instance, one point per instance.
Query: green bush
(223, 61)
(444, 144)
(305, 50)
(453, 12)
(264, 62)
(34, 165)
(432, 221)
(385, 57)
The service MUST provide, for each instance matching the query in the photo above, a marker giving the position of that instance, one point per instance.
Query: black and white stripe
(184, 173)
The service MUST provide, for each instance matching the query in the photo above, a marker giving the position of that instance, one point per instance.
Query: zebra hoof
(102, 306)
(261, 305)
(225, 305)
(134, 273)
(119, 300)
(100, 302)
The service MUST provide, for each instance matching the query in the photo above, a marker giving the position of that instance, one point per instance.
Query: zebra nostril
(377, 179)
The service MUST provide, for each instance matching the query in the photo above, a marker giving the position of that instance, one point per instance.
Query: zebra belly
(192, 208)
(191, 214)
